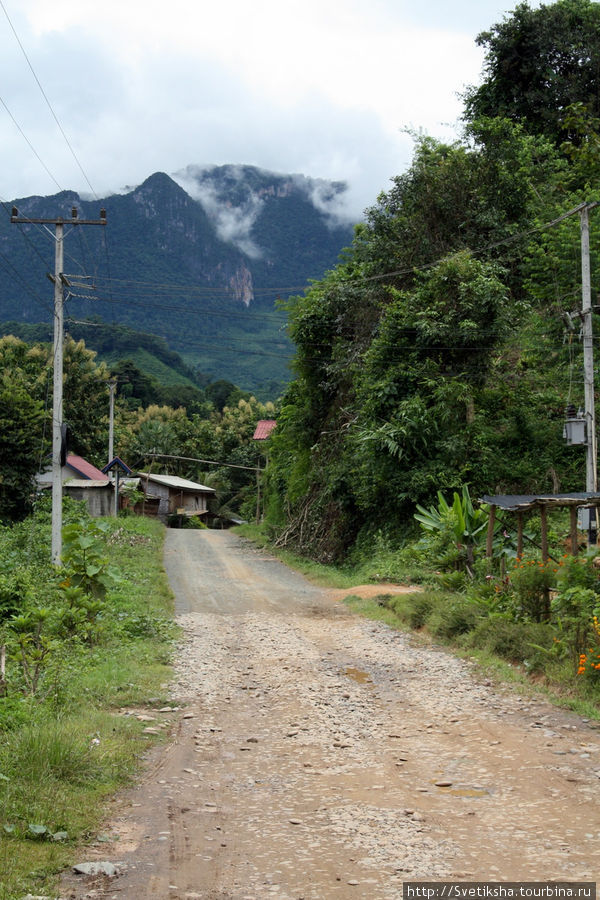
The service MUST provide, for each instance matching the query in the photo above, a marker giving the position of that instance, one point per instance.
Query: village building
(170, 495)
(82, 481)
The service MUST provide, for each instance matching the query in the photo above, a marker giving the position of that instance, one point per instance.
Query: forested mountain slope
(202, 267)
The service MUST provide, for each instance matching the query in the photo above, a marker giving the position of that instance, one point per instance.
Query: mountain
(200, 258)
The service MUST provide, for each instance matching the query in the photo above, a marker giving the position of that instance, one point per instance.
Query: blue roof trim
(117, 463)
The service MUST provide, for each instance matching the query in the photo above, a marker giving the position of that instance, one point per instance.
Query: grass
(64, 753)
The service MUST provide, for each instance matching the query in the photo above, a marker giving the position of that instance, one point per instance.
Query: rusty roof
(84, 469)
(264, 427)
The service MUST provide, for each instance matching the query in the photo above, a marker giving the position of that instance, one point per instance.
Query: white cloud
(307, 86)
(233, 223)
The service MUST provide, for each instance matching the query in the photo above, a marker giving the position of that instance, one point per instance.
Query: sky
(96, 96)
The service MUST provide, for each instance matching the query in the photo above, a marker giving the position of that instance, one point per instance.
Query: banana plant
(461, 520)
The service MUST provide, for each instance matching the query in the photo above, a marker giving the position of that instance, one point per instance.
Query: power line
(49, 105)
(209, 462)
(9, 266)
(30, 145)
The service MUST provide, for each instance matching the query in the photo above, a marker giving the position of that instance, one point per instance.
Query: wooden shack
(168, 495)
(82, 481)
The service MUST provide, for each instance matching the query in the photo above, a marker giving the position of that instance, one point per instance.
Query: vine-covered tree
(422, 359)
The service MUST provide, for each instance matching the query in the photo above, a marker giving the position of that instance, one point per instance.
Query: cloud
(306, 86)
(232, 219)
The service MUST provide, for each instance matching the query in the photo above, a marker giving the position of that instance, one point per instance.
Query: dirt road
(318, 755)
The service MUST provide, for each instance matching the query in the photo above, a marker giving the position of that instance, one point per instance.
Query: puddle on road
(358, 675)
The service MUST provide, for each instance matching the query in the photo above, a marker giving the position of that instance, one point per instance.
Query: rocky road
(319, 755)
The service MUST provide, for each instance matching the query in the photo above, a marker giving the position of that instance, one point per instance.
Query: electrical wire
(30, 145)
(11, 269)
(49, 105)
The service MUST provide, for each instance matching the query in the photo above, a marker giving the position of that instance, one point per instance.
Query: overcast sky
(325, 88)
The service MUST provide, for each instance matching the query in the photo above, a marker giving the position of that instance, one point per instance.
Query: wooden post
(544, 520)
(520, 535)
(574, 547)
(489, 547)
(258, 495)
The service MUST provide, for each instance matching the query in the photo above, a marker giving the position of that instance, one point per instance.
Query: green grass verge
(64, 752)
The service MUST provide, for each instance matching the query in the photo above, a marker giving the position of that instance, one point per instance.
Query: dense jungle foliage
(437, 354)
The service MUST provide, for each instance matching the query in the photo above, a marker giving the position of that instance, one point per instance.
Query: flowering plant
(589, 662)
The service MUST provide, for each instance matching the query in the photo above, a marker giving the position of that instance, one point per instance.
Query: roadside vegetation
(82, 645)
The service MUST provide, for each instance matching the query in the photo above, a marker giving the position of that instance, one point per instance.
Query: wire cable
(49, 105)
(30, 145)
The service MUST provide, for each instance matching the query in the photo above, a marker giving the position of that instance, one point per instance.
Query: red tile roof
(264, 427)
(84, 469)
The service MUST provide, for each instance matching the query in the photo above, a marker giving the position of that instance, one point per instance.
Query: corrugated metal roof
(264, 427)
(86, 483)
(515, 502)
(174, 481)
(83, 468)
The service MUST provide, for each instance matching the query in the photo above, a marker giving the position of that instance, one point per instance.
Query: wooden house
(170, 495)
(83, 481)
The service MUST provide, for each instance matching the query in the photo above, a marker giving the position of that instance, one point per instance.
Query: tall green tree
(538, 63)
(399, 347)
(26, 402)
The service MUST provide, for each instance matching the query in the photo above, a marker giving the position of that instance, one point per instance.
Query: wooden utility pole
(588, 354)
(112, 387)
(57, 396)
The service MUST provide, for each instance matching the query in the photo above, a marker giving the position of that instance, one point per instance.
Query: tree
(26, 398)
(86, 403)
(221, 393)
(538, 63)
(403, 370)
(21, 444)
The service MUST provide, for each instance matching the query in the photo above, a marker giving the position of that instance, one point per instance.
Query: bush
(531, 582)
(415, 609)
(457, 618)
(515, 641)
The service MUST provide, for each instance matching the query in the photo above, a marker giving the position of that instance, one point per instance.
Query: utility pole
(60, 281)
(588, 367)
(585, 315)
(112, 387)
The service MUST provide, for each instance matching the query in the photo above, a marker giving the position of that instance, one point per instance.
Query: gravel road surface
(318, 755)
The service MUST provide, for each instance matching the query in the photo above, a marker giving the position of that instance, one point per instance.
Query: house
(168, 495)
(83, 481)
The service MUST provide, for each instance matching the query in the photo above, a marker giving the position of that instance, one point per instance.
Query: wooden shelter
(522, 503)
(82, 481)
(171, 495)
